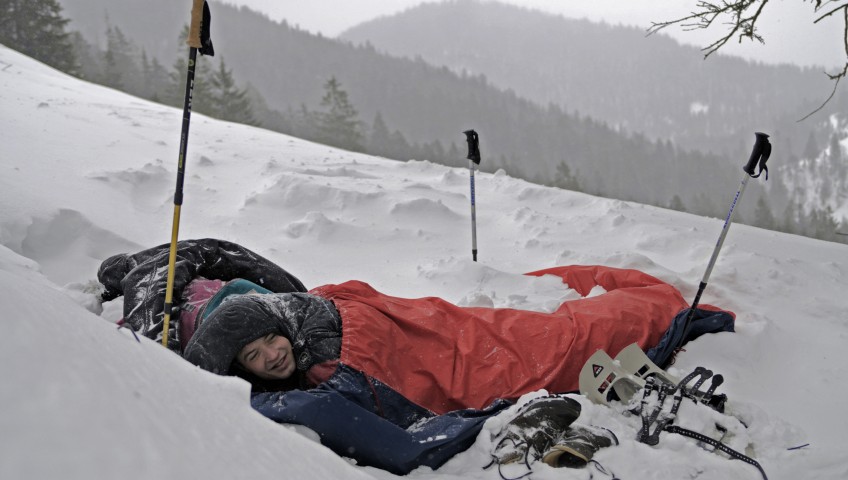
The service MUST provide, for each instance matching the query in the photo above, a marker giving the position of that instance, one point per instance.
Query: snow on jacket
(312, 325)
(142, 278)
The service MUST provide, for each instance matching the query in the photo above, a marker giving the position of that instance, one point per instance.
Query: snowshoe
(604, 379)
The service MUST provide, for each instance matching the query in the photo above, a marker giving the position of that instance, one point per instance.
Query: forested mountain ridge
(427, 104)
(288, 69)
(616, 74)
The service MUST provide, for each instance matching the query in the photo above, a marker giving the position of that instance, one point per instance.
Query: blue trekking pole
(759, 155)
(473, 159)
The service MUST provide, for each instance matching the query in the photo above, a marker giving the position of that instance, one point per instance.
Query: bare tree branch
(712, 11)
(836, 79)
(708, 12)
(819, 7)
(837, 76)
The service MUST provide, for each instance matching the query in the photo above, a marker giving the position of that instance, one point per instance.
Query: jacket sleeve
(144, 276)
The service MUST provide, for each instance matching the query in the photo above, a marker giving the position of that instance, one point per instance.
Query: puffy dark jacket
(312, 325)
(142, 278)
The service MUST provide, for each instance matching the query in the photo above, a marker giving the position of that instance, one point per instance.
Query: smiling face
(269, 357)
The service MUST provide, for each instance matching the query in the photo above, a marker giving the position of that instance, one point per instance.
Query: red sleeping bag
(444, 357)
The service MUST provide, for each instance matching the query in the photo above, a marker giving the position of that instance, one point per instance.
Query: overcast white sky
(787, 24)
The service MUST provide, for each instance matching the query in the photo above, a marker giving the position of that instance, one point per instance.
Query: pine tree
(438, 151)
(304, 123)
(677, 204)
(790, 218)
(87, 57)
(399, 147)
(338, 123)
(379, 141)
(811, 149)
(120, 69)
(835, 150)
(565, 179)
(229, 102)
(825, 226)
(842, 231)
(36, 28)
(201, 98)
(155, 78)
(266, 116)
(763, 217)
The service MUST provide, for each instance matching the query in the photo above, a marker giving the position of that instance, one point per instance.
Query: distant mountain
(434, 105)
(616, 74)
(428, 104)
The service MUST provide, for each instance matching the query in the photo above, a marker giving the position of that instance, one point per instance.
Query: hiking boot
(577, 446)
(535, 429)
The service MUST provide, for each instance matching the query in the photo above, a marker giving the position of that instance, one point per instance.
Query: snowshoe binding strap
(603, 470)
(718, 446)
(655, 417)
(710, 399)
(703, 377)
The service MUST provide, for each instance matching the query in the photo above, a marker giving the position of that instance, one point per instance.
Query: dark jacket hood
(111, 272)
(241, 319)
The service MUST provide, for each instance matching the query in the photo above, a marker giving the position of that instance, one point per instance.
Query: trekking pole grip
(759, 155)
(473, 146)
(196, 22)
(199, 29)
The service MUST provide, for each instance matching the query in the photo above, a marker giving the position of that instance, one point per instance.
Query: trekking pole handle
(196, 23)
(759, 155)
(199, 28)
(473, 146)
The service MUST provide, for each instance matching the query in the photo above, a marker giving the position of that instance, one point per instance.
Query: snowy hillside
(86, 172)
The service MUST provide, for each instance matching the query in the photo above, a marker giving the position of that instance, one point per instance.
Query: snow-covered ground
(86, 172)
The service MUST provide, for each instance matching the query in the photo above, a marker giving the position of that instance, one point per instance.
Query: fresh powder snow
(87, 172)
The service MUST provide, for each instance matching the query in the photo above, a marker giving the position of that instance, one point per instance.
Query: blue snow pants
(359, 417)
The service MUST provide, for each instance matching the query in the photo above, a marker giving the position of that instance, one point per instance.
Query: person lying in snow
(201, 270)
(399, 383)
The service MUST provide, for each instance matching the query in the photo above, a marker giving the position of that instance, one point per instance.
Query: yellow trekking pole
(198, 39)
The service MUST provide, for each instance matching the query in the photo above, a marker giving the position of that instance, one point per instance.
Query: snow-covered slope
(86, 172)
